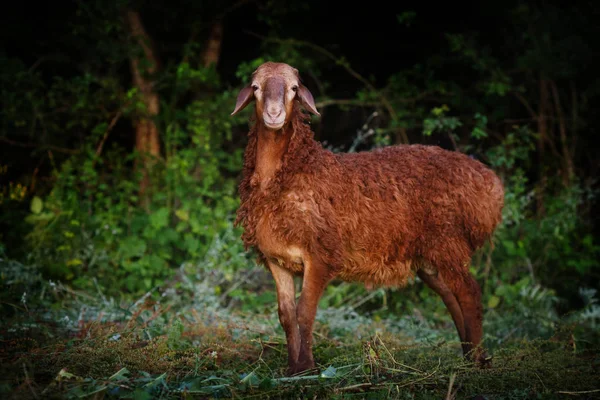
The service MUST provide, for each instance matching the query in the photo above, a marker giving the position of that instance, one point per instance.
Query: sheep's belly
(372, 270)
(378, 274)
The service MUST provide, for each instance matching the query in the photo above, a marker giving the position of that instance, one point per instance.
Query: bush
(95, 224)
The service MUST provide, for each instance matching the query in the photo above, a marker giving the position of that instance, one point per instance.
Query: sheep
(379, 217)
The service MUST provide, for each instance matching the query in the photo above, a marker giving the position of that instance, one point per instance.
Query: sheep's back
(415, 201)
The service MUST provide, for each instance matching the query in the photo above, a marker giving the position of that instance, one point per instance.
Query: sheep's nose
(274, 113)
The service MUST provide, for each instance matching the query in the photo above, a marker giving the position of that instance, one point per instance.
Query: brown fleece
(375, 217)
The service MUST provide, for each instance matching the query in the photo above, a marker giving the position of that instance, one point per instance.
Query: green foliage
(479, 131)
(440, 122)
(122, 242)
(514, 152)
(556, 248)
(94, 223)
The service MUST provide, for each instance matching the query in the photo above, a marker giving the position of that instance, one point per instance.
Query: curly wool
(374, 217)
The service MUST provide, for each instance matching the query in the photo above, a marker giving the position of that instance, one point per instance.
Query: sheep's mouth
(274, 127)
(274, 123)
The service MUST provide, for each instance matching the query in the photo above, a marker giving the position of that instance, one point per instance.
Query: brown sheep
(377, 217)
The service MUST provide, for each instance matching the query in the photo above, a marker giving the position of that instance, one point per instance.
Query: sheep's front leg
(286, 301)
(316, 278)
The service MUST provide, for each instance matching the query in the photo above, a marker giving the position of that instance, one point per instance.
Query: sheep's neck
(270, 150)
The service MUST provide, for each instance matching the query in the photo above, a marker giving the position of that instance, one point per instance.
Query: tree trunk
(401, 136)
(543, 135)
(147, 141)
(212, 50)
(574, 117)
(562, 129)
(210, 56)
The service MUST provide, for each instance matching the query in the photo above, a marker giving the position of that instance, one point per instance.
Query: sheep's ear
(307, 100)
(244, 98)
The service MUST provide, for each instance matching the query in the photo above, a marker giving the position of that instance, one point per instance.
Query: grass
(184, 343)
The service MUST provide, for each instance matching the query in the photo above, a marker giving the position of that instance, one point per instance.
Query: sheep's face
(275, 87)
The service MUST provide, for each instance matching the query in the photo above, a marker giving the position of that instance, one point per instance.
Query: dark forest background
(119, 160)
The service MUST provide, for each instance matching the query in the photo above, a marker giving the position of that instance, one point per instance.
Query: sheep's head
(275, 87)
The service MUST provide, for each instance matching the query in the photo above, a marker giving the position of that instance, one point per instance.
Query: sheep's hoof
(484, 361)
(481, 359)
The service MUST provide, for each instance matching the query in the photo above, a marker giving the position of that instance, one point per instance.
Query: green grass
(116, 362)
(188, 341)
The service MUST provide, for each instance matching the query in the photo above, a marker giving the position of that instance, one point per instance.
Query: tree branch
(347, 102)
(526, 104)
(110, 127)
(35, 145)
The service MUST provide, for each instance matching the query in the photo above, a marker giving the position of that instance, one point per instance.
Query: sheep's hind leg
(437, 284)
(467, 292)
(316, 278)
(286, 301)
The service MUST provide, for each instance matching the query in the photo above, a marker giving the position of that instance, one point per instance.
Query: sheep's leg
(314, 283)
(437, 284)
(467, 292)
(286, 301)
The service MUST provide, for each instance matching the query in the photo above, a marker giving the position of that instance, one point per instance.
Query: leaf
(74, 262)
(197, 385)
(155, 382)
(182, 214)
(330, 372)
(36, 205)
(267, 384)
(160, 218)
(119, 375)
(251, 380)
(94, 390)
(478, 133)
(32, 219)
(64, 375)
(493, 301)
(132, 246)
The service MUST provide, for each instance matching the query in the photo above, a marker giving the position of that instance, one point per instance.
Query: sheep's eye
(295, 88)
(254, 87)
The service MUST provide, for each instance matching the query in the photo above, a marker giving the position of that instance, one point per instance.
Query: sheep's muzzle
(274, 112)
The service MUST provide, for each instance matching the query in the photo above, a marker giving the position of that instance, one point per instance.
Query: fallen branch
(580, 392)
(353, 387)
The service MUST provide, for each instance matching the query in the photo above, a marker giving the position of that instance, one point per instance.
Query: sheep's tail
(489, 214)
